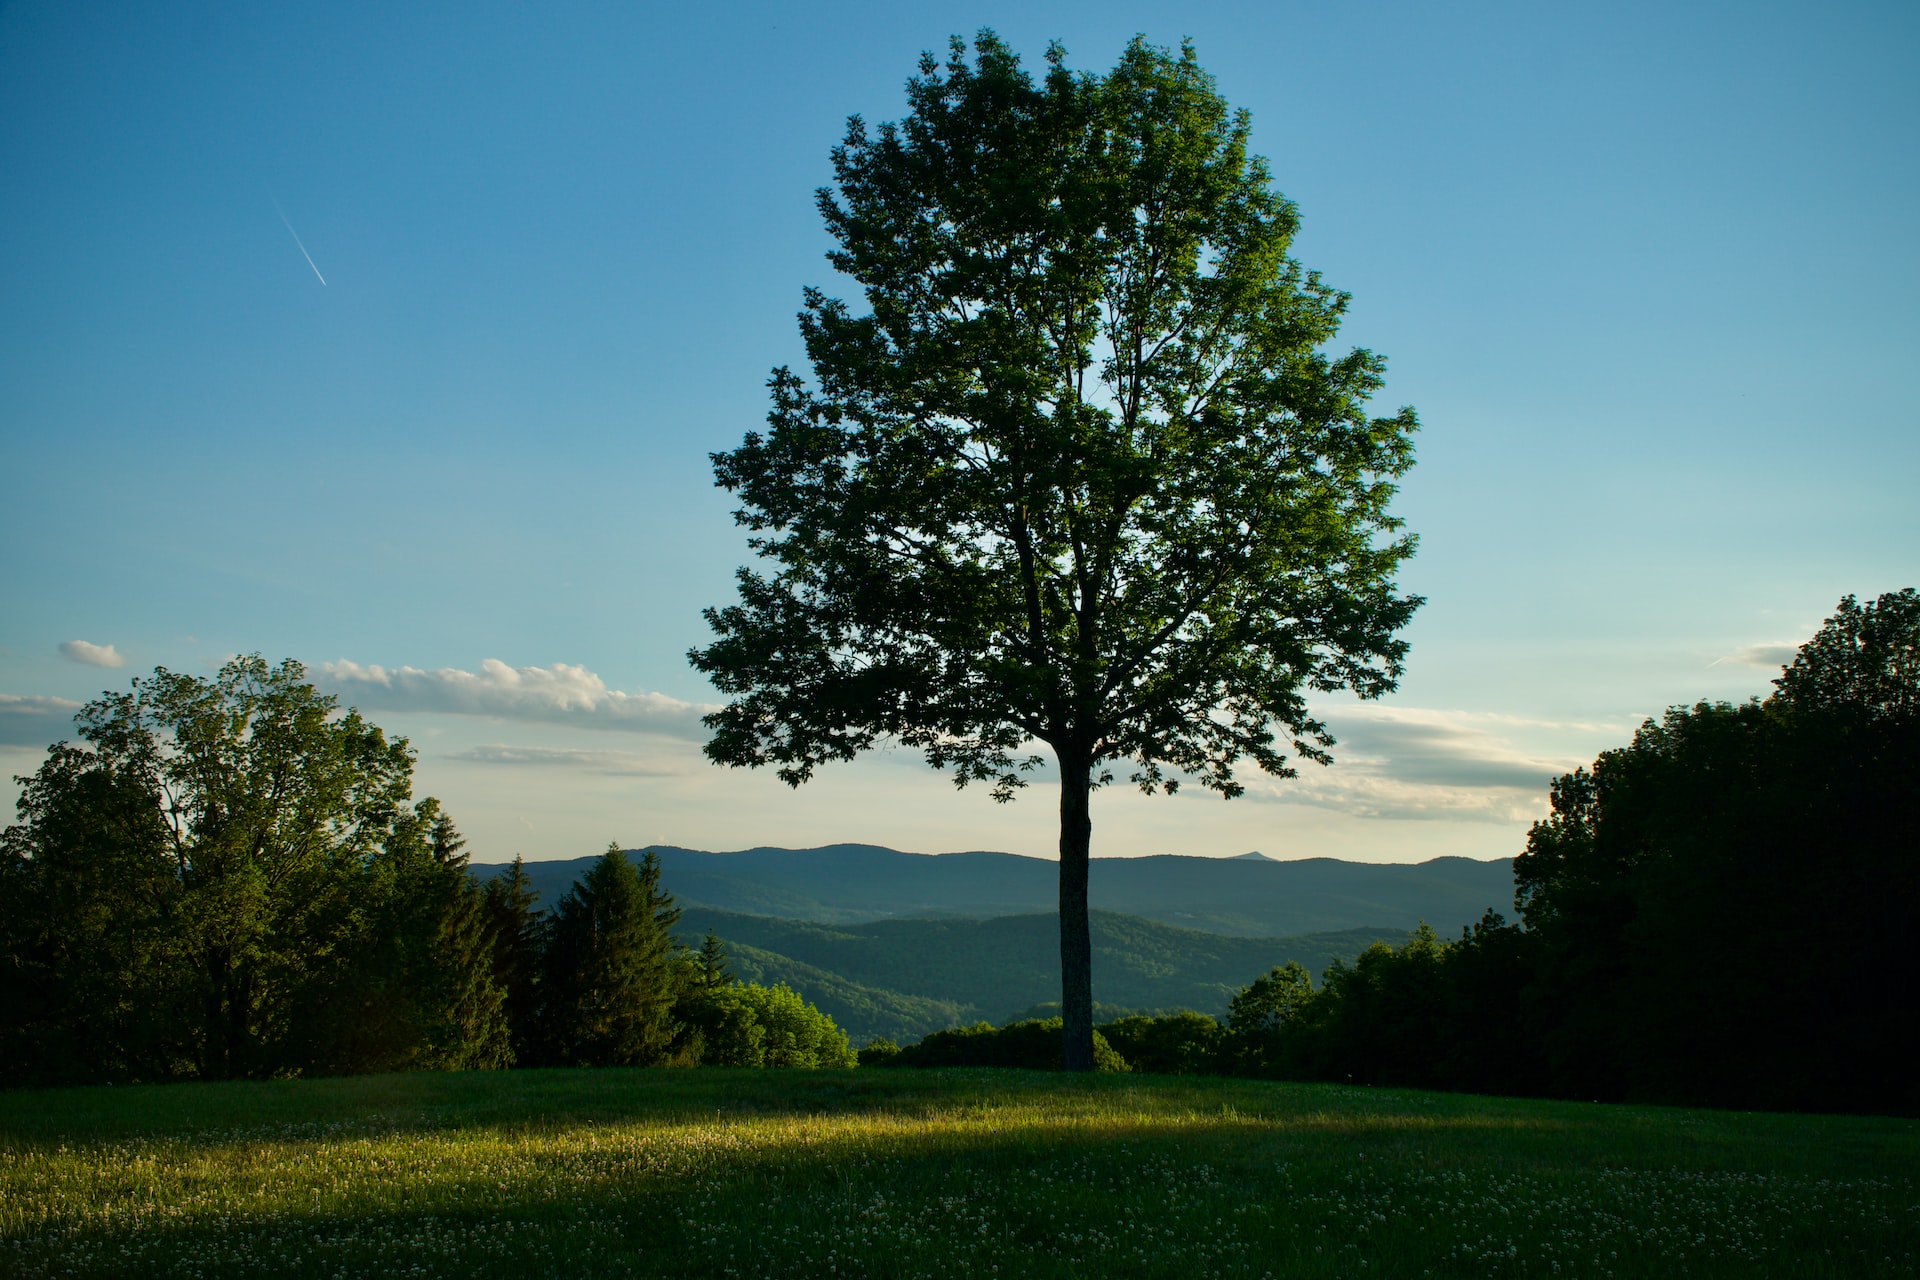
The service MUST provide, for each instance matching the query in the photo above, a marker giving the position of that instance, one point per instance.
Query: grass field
(947, 1173)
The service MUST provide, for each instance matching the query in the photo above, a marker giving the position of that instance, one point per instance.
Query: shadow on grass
(906, 1173)
(563, 1099)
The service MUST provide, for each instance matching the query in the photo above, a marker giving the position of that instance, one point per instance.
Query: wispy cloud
(35, 722)
(1411, 762)
(93, 655)
(625, 764)
(1775, 653)
(559, 694)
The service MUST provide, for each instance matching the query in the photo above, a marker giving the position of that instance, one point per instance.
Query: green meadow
(930, 1173)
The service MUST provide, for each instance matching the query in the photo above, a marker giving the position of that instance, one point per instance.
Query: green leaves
(231, 879)
(1864, 663)
(1080, 473)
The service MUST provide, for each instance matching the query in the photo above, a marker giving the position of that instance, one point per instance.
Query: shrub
(794, 1033)
(1033, 1043)
(879, 1052)
(1178, 1044)
(748, 1025)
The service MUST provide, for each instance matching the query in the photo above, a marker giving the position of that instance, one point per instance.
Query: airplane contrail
(296, 240)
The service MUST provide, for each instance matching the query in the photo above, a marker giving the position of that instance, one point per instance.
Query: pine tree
(712, 963)
(465, 1004)
(405, 980)
(610, 972)
(517, 929)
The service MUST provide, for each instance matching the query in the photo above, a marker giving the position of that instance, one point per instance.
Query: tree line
(1718, 913)
(230, 878)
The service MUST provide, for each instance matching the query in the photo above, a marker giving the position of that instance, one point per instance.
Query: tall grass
(937, 1173)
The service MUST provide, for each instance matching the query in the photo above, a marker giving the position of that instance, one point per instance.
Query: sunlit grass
(949, 1173)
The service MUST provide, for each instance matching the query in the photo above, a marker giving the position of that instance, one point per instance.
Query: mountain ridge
(1235, 897)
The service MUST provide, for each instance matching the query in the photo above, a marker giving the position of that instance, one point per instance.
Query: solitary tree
(1081, 474)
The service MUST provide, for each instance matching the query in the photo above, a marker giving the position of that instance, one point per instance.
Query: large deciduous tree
(1081, 474)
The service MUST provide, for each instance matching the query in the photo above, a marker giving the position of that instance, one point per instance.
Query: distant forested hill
(900, 944)
(904, 978)
(851, 883)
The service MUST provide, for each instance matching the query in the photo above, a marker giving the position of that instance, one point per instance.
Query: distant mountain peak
(1252, 856)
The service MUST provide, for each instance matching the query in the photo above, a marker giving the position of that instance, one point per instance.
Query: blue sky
(1647, 273)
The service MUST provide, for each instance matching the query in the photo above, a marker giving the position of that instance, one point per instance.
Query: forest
(229, 878)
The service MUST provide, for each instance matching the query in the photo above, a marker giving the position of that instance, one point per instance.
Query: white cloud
(560, 694)
(1364, 794)
(93, 655)
(35, 722)
(620, 763)
(1776, 653)
(1412, 762)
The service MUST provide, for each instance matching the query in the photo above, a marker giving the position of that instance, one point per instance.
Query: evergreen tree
(450, 961)
(403, 979)
(518, 933)
(610, 975)
(712, 963)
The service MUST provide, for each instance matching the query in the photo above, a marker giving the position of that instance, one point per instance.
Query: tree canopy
(1080, 476)
(1725, 902)
(229, 878)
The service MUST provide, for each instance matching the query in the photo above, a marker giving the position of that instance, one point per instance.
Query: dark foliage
(610, 975)
(1180, 1044)
(879, 1052)
(1725, 906)
(95, 985)
(1719, 913)
(518, 931)
(230, 878)
(1033, 1044)
(1428, 1013)
(1079, 472)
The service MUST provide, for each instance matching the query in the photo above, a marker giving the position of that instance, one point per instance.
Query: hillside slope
(904, 978)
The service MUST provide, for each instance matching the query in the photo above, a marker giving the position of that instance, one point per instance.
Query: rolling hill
(900, 944)
(904, 978)
(1247, 897)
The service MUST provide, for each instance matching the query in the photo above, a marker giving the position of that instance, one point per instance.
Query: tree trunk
(1076, 940)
